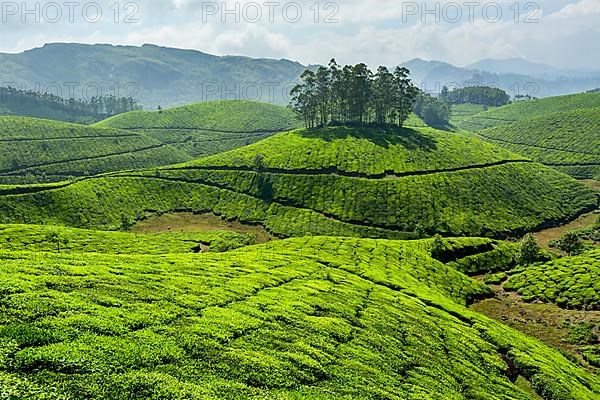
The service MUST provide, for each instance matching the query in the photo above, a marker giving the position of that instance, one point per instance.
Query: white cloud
(369, 30)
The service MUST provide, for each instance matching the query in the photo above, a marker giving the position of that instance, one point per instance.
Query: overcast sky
(558, 32)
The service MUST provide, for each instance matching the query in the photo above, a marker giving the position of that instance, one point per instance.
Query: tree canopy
(354, 95)
(484, 95)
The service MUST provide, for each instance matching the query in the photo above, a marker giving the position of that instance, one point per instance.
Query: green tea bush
(36, 150)
(219, 116)
(570, 282)
(35, 238)
(525, 110)
(318, 317)
(568, 141)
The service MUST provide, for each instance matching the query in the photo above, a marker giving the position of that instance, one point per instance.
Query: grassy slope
(320, 318)
(222, 116)
(569, 141)
(460, 112)
(34, 238)
(314, 183)
(364, 151)
(524, 110)
(34, 147)
(208, 128)
(572, 282)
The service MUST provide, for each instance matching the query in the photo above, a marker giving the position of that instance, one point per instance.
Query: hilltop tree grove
(354, 95)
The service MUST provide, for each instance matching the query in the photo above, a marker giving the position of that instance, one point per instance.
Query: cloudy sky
(559, 32)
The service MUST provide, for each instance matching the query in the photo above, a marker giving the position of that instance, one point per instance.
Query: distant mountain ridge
(168, 77)
(515, 76)
(153, 74)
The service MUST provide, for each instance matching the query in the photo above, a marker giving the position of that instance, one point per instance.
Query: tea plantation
(35, 150)
(401, 184)
(319, 318)
(44, 238)
(364, 152)
(209, 128)
(524, 110)
(221, 116)
(568, 141)
(571, 282)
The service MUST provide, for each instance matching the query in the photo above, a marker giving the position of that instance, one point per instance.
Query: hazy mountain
(164, 76)
(156, 75)
(514, 66)
(515, 76)
(525, 67)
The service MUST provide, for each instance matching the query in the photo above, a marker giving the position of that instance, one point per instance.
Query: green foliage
(338, 181)
(52, 151)
(234, 116)
(37, 238)
(438, 247)
(483, 95)
(353, 95)
(592, 355)
(526, 110)
(570, 282)
(570, 243)
(45, 105)
(364, 151)
(529, 251)
(582, 333)
(322, 318)
(56, 238)
(434, 112)
(208, 128)
(495, 279)
(568, 141)
(486, 258)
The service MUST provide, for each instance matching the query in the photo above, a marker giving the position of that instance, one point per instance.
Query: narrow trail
(139, 128)
(339, 172)
(283, 203)
(395, 230)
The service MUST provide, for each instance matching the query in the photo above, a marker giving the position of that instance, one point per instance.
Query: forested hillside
(50, 106)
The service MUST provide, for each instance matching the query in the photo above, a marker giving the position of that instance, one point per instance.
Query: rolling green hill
(335, 181)
(221, 116)
(568, 141)
(460, 112)
(571, 282)
(36, 150)
(319, 318)
(35, 238)
(524, 110)
(208, 128)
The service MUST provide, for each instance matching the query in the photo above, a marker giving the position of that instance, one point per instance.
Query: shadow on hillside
(385, 137)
